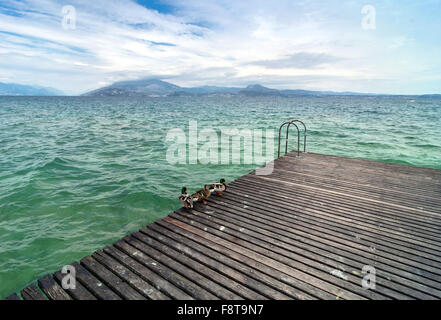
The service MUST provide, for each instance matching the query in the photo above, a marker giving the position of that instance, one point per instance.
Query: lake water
(77, 173)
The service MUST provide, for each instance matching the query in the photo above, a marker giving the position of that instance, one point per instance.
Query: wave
(375, 145)
(427, 146)
(389, 160)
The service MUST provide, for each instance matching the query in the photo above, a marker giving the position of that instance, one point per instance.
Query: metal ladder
(289, 123)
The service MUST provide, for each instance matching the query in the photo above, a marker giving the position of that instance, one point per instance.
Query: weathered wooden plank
(352, 196)
(370, 176)
(405, 250)
(366, 164)
(192, 288)
(94, 285)
(285, 172)
(303, 271)
(148, 275)
(252, 277)
(343, 211)
(111, 280)
(352, 175)
(31, 292)
(374, 172)
(331, 262)
(406, 199)
(137, 282)
(352, 209)
(360, 174)
(425, 217)
(221, 274)
(406, 245)
(51, 289)
(286, 227)
(79, 293)
(13, 296)
(303, 233)
(306, 282)
(189, 268)
(255, 234)
(376, 234)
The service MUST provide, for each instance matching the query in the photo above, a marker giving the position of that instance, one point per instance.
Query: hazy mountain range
(159, 88)
(14, 89)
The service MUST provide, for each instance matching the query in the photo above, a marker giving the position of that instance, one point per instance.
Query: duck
(219, 187)
(202, 194)
(186, 199)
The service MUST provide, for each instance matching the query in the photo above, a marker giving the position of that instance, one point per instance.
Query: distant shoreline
(155, 88)
(230, 96)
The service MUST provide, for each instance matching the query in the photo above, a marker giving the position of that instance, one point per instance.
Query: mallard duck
(219, 187)
(186, 199)
(202, 194)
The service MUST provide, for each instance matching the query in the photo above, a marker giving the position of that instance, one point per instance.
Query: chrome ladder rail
(289, 123)
(304, 132)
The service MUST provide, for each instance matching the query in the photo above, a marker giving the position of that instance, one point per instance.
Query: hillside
(159, 88)
(14, 89)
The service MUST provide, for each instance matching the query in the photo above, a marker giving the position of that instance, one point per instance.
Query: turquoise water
(78, 173)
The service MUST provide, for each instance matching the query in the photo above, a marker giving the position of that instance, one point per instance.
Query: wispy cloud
(284, 43)
(301, 60)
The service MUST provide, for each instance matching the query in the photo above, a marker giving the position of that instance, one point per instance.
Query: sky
(387, 46)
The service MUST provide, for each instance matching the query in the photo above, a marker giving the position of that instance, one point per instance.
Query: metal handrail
(286, 146)
(304, 133)
(289, 123)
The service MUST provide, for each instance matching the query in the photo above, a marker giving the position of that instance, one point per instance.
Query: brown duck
(202, 194)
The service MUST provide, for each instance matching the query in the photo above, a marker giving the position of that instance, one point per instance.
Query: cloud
(301, 60)
(223, 42)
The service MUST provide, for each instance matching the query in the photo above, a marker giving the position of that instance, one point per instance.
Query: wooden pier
(304, 232)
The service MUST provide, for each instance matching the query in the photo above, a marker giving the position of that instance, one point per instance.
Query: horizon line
(200, 86)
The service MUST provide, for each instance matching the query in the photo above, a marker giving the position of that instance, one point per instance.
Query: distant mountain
(258, 90)
(435, 95)
(159, 88)
(110, 92)
(144, 87)
(155, 87)
(14, 89)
